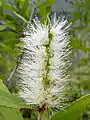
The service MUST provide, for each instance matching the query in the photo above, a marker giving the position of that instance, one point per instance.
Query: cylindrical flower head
(42, 69)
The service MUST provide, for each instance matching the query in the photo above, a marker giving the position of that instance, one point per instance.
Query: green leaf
(10, 24)
(7, 48)
(3, 87)
(48, 2)
(73, 111)
(42, 10)
(25, 6)
(21, 17)
(2, 27)
(11, 42)
(7, 6)
(8, 35)
(44, 7)
(9, 100)
(9, 114)
(75, 15)
(6, 112)
(79, 45)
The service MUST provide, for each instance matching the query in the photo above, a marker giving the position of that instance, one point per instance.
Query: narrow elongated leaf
(10, 25)
(7, 6)
(2, 27)
(25, 6)
(74, 111)
(21, 17)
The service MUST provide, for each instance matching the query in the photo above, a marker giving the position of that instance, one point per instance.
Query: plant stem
(41, 110)
(40, 115)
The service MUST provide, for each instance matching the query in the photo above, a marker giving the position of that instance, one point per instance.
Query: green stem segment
(46, 78)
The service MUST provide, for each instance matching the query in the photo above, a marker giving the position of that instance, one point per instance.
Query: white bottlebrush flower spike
(42, 69)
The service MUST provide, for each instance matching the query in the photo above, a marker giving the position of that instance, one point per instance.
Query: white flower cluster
(42, 69)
